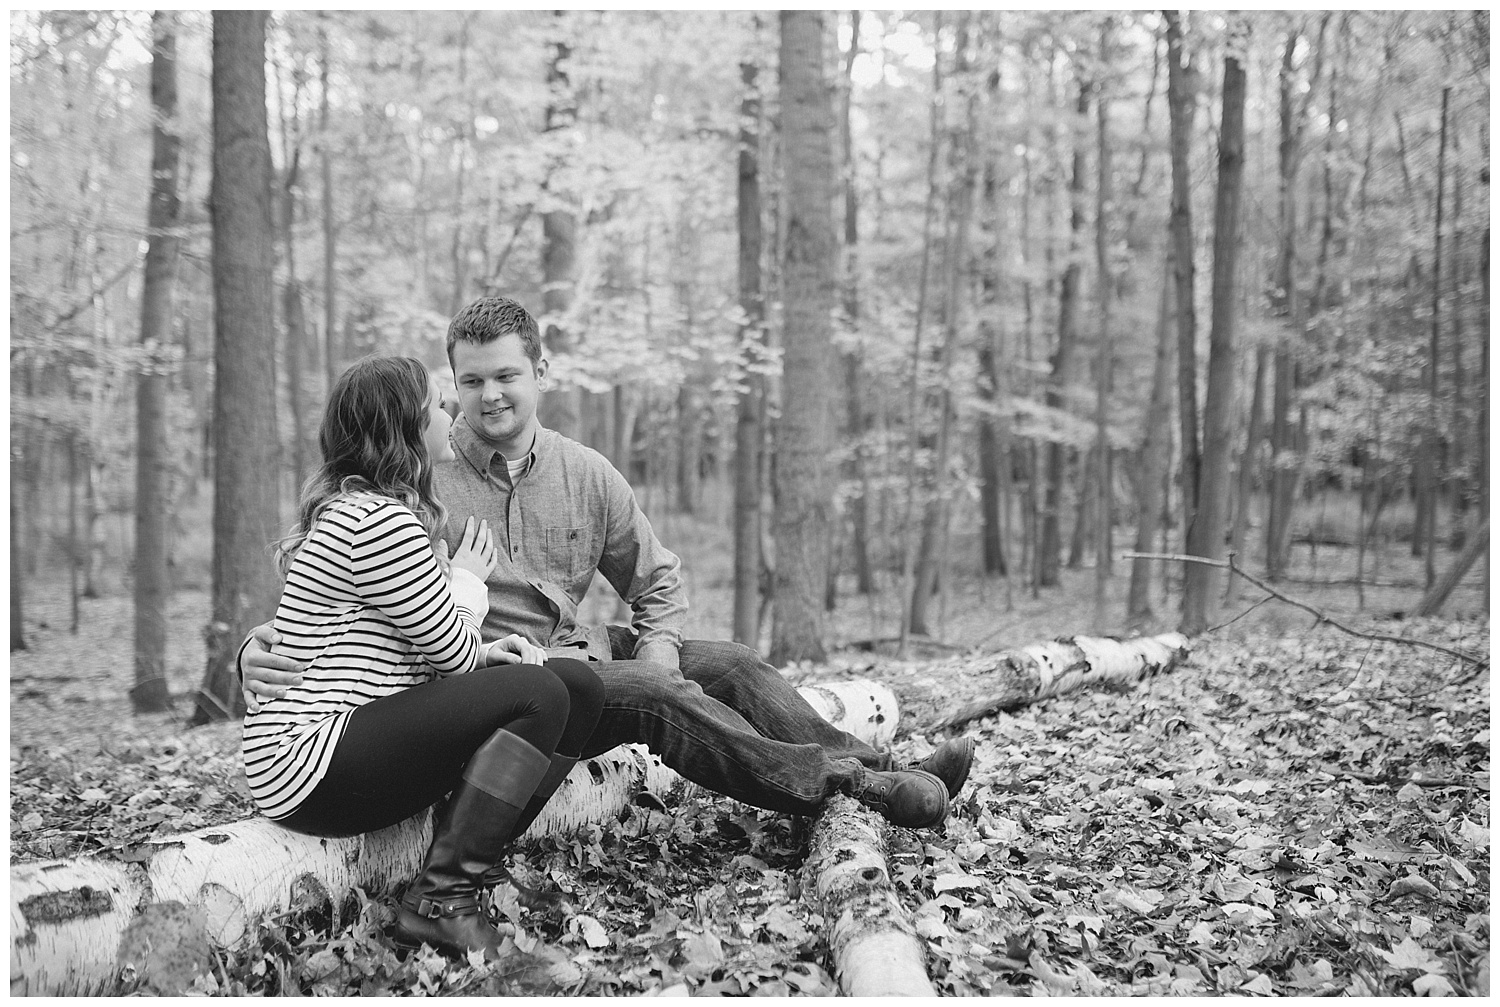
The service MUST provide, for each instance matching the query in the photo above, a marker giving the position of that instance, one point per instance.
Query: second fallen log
(1020, 677)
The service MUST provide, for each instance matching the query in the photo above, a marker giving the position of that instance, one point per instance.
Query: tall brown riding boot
(441, 906)
(554, 903)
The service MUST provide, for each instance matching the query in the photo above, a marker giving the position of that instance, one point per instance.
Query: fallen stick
(67, 917)
(1024, 676)
(875, 948)
(1322, 616)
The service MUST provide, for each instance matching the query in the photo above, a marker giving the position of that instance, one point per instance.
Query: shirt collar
(481, 454)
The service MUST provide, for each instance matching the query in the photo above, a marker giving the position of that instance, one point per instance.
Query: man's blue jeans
(728, 722)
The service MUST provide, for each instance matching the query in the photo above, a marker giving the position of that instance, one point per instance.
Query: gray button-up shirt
(569, 514)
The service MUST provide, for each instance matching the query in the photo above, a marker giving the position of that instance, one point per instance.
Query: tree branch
(88, 298)
(1322, 616)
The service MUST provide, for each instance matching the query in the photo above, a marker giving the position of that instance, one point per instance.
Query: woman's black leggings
(401, 753)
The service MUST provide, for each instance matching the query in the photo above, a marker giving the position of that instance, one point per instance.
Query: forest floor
(1293, 810)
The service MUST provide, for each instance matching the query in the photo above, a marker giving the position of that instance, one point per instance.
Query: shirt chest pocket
(570, 554)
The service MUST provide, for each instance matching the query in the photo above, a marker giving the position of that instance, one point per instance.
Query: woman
(391, 713)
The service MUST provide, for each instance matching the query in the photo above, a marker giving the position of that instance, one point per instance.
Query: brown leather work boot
(950, 763)
(910, 798)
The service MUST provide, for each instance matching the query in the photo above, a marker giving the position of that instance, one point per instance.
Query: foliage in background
(442, 170)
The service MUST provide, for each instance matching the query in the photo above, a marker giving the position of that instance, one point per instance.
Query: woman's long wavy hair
(372, 439)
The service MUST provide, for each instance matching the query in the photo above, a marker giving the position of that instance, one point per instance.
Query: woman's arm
(396, 571)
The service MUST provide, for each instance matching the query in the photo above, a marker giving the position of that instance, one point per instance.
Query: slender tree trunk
(689, 448)
(993, 444)
(1049, 555)
(1103, 512)
(153, 453)
(1248, 462)
(960, 202)
(1181, 102)
(1433, 440)
(17, 555)
(858, 423)
(1287, 305)
(1482, 428)
(1457, 281)
(993, 432)
(463, 128)
(804, 434)
(1156, 461)
(563, 408)
(331, 356)
(246, 497)
(297, 356)
(910, 554)
(74, 546)
(749, 425)
(1200, 589)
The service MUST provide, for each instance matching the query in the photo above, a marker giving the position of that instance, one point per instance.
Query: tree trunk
(804, 434)
(562, 408)
(1248, 462)
(993, 433)
(1018, 678)
(331, 354)
(73, 544)
(1103, 499)
(915, 436)
(68, 916)
(874, 946)
(749, 428)
(17, 556)
(298, 362)
(246, 498)
(1482, 428)
(858, 421)
(993, 447)
(153, 455)
(689, 448)
(955, 263)
(1432, 442)
(1437, 597)
(1181, 102)
(1083, 509)
(1156, 460)
(1049, 556)
(1287, 305)
(1206, 538)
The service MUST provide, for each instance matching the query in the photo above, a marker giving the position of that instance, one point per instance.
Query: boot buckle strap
(433, 910)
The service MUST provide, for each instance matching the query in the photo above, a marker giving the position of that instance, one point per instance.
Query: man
(712, 711)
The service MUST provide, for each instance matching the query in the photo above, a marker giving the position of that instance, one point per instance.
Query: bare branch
(1322, 616)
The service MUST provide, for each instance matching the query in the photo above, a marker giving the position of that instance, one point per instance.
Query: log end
(164, 950)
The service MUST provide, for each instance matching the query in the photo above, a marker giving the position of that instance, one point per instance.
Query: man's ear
(541, 372)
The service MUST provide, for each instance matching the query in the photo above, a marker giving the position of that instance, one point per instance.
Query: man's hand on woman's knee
(264, 674)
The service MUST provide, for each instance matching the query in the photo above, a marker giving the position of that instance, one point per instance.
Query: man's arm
(646, 574)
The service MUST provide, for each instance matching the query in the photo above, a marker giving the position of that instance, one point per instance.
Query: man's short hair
(490, 318)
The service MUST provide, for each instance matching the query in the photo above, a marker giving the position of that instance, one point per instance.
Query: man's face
(498, 389)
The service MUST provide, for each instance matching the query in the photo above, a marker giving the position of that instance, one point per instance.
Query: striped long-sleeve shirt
(368, 612)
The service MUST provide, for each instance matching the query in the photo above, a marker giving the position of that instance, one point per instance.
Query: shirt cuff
(470, 595)
(657, 652)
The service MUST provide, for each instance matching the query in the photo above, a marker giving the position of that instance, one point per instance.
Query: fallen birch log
(1043, 670)
(875, 949)
(67, 916)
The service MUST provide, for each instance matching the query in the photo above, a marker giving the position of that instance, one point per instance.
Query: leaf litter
(1282, 815)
